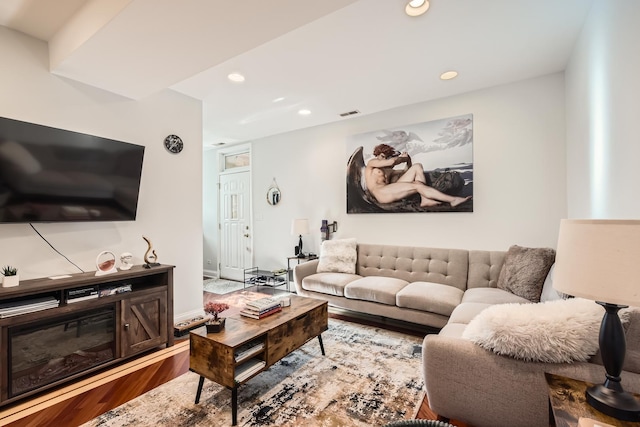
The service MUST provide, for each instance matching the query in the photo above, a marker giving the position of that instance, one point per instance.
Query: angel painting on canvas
(426, 167)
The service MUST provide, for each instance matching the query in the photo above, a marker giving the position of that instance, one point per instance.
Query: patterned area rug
(368, 377)
(221, 286)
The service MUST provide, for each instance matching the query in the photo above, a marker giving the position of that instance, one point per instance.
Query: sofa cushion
(328, 283)
(453, 330)
(491, 296)
(376, 289)
(427, 296)
(559, 331)
(414, 264)
(484, 268)
(525, 270)
(465, 313)
(338, 256)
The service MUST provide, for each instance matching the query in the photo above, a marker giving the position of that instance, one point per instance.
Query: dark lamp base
(619, 405)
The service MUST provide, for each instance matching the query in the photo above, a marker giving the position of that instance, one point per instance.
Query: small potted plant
(215, 323)
(11, 277)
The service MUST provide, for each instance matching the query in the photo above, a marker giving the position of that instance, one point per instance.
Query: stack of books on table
(262, 307)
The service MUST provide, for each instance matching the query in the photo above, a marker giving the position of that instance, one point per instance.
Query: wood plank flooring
(84, 400)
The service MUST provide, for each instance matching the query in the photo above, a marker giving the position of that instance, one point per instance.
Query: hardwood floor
(84, 400)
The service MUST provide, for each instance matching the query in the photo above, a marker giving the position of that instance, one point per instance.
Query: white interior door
(235, 225)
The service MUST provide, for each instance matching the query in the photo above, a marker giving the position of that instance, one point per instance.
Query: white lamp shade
(300, 227)
(599, 260)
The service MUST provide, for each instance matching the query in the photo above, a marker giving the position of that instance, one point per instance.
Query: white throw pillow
(548, 291)
(560, 331)
(338, 256)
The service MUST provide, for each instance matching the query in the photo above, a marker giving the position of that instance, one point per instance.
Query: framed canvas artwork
(424, 167)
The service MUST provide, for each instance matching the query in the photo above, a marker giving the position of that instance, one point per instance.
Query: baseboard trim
(210, 273)
(183, 317)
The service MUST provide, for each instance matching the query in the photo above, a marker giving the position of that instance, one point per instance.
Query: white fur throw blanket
(559, 331)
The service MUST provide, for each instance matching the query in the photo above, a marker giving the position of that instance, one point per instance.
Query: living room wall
(170, 203)
(519, 176)
(602, 108)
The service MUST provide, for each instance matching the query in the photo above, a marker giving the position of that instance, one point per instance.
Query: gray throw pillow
(524, 271)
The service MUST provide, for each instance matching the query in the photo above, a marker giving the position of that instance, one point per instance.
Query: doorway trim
(223, 170)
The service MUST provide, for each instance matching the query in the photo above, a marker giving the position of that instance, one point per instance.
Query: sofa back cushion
(413, 264)
(484, 268)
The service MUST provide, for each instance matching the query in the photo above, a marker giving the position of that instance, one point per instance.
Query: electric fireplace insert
(45, 352)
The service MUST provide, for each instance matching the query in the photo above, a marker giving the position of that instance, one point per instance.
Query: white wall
(170, 203)
(603, 100)
(519, 176)
(210, 213)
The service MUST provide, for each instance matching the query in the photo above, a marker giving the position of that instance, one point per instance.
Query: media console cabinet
(82, 332)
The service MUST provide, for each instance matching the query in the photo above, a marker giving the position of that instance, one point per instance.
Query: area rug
(221, 286)
(369, 377)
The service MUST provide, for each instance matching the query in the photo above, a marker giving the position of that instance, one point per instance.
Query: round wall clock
(173, 143)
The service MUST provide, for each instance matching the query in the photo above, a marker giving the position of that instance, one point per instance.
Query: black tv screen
(55, 175)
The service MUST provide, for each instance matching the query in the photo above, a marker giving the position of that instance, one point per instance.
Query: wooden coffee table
(248, 346)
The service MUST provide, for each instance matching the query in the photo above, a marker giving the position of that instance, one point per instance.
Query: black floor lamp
(598, 260)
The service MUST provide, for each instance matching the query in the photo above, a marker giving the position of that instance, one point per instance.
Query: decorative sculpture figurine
(105, 263)
(126, 261)
(150, 257)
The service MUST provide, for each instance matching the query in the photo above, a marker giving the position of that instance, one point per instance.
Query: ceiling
(329, 56)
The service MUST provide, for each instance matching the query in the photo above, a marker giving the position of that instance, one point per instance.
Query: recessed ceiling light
(278, 99)
(236, 77)
(448, 75)
(304, 112)
(416, 7)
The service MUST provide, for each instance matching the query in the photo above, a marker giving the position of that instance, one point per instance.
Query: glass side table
(256, 277)
(308, 257)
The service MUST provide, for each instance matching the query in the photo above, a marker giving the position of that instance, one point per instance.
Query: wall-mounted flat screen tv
(55, 175)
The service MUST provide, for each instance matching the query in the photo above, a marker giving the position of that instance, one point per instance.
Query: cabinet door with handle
(144, 322)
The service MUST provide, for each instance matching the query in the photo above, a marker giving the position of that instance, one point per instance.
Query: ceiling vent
(349, 113)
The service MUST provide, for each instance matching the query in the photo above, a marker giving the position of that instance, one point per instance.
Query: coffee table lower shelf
(268, 340)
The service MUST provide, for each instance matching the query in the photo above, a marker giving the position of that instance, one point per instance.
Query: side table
(568, 403)
(255, 277)
(305, 258)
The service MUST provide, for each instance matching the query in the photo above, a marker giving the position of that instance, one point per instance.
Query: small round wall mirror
(273, 194)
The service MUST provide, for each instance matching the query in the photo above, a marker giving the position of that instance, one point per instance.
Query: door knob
(246, 235)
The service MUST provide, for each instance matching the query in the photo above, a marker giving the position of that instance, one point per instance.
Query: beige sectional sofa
(413, 284)
(447, 289)
(469, 383)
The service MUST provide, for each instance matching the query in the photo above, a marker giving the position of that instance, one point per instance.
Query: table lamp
(300, 227)
(598, 260)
